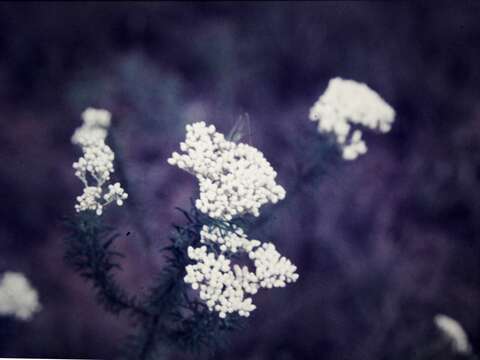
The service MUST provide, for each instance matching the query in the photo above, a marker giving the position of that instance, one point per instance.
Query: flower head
(17, 297)
(224, 286)
(220, 286)
(454, 332)
(344, 107)
(272, 269)
(234, 179)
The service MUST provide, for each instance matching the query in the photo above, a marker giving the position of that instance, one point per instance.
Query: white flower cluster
(232, 241)
(97, 160)
(222, 289)
(454, 332)
(234, 179)
(346, 105)
(17, 297)
(96, 164)
(272, 269)
(95, 127)
(225, 288)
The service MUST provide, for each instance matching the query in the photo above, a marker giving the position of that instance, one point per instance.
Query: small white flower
(454, 332)
(17, 297)
(234, 179)
(347, 105)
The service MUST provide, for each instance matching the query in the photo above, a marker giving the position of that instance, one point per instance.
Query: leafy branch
(89, 253)
(169, 315)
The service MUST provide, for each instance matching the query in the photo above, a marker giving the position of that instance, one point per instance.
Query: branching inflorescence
(234, 180)
(96, 164)
(224, 287)
(344, 108)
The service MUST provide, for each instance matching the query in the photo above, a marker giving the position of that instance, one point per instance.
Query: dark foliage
(169, 315)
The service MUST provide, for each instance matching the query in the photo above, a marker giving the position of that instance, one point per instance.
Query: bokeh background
(382, 243)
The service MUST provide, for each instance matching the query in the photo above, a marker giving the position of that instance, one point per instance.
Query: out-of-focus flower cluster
(344, 108)
(17, 297)
(272, 269)
(95, 127)
(234, 179)
(95, 167)
(454, 333)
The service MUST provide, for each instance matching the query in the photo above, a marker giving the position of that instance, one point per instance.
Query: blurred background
(382, 243)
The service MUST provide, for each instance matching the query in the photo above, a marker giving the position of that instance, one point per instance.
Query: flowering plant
(214, 268)
(234, 180)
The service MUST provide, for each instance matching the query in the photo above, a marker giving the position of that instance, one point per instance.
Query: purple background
(382, 243)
